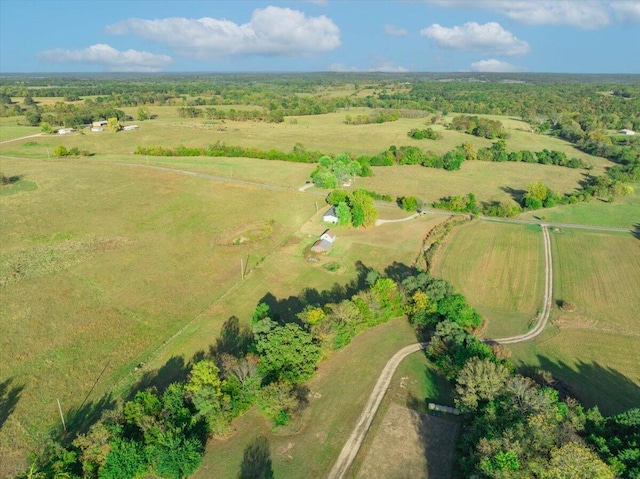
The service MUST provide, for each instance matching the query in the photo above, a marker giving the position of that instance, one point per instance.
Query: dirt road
(352, 446)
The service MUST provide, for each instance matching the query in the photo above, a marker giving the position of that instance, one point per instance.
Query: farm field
(117, 272)
(119, 259)
(500, 270)
(590, 348)
(326, 133)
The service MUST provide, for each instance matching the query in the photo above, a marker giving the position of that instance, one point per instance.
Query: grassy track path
(359, 432)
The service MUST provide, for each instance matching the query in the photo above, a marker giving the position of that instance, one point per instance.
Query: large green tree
(288, 353)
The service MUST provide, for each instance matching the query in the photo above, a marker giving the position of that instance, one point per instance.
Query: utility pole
(64, 426)
(316, 207)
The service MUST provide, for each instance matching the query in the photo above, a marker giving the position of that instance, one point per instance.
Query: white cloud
(494, 65)
(378, 64)
(110, 58)
(586, 14)
(627, 11)
(271, 31)
(487, 38)
(395, 31)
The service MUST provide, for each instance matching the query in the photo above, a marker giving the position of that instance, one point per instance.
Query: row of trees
(231, 114)
(537, 196)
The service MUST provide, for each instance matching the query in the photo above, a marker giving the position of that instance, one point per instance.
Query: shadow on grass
(176, 369)
(437, 433)
(286, 310)
(636, 231)
(235, 339)
(256, 460)
(517, 195)
(9, 397)
(9, 180)
(590, 383)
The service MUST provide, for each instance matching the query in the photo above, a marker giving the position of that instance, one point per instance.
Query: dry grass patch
(500, 269)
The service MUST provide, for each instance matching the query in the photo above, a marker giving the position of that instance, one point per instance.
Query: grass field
(103, 263)
(500, 269)
(9, 128)
(105, 266)
(326, 133)
(116, 260)
(592, 348)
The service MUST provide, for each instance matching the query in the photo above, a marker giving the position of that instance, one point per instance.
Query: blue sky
(565, 36)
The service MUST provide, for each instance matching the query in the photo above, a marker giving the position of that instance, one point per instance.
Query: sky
(540, 36)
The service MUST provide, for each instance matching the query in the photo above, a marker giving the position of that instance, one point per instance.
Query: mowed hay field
(102, 263)
(500, 269)
(594, 348)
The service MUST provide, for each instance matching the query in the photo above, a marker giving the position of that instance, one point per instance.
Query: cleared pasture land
(593, 349)
(102, 263)
(327, 133)
(9, 129)
(500, 269)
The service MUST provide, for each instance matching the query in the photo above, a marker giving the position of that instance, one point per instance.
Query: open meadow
(500, 269)
(108, 268)
(116, 270)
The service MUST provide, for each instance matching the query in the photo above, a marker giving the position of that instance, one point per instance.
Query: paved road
(359, 432)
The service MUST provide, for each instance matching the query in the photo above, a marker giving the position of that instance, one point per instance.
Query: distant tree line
(534, 99)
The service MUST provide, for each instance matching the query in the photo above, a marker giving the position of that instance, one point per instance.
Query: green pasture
(488, 181)
(103, 263)
(500, 269)
(109, 261)
(327, 133)
(592, 348)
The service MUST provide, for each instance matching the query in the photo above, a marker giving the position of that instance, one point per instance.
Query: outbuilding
(330, 216)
